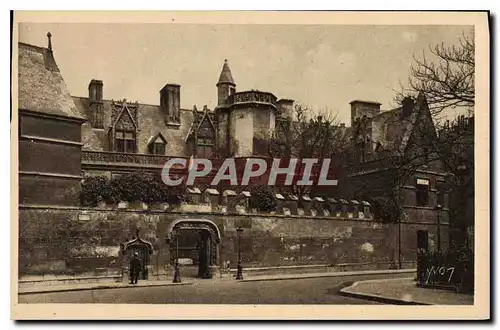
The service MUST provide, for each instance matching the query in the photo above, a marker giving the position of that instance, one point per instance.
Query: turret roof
(225, 76)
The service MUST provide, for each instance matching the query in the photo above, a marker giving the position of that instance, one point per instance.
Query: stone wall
(79, 241)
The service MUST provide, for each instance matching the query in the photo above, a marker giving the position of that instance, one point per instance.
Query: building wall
(49, 160)
(222, 124)
(77, 240)
(242, 131)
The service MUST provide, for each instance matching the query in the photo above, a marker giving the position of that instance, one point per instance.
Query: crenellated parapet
(230, 202)
(252, 97)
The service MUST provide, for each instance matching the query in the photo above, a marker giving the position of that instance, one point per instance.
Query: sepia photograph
(186, 165)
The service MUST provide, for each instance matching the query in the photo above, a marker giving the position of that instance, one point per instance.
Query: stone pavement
(33, 289)
(93, 286)
(403, 291)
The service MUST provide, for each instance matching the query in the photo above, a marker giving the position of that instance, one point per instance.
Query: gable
(423, 131)
(158, 138)
(125, 122)
(206, 128)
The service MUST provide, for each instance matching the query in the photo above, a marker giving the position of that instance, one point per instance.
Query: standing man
(135, 268)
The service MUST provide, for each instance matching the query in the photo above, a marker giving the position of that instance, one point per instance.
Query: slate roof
(393, 130)
(151, 121)
(225, 75)
(41, 86)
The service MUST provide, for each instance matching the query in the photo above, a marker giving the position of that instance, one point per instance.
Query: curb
(102, 287)
(333, 274)
(372, 297)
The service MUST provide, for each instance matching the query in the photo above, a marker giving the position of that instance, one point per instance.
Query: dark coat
(135, 265)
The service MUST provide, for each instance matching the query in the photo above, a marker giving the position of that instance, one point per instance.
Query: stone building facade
(390, 158)
(119, 136)
(64, 138)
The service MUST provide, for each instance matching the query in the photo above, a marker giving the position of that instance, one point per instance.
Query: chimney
(170, 103)
(407, 106)
(95, 90)
(285, 107)
(360, 108)
(95, 103)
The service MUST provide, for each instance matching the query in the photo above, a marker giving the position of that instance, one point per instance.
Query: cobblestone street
(298, 291)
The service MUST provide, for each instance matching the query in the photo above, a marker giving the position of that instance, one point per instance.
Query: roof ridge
(139, 103)
(34, 47)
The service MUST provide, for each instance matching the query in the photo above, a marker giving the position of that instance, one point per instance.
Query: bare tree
(308, 135)
(446, 77)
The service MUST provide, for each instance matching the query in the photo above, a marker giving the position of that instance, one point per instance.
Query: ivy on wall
(263, 199)
(131, 187)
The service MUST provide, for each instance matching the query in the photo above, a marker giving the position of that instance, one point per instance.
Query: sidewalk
(94, 286)
(279, 277)
(403, 291)
(34, 289)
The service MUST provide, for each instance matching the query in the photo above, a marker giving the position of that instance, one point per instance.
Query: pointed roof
(42, 88)
(393, 129)
(225, 76)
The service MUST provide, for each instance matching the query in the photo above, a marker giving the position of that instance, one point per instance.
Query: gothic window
(422, 192)
(205, 147)
(125, 141)
(205, 141)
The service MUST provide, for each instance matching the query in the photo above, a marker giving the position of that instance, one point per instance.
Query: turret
(225, 85)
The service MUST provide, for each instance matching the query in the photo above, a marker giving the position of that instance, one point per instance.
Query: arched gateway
(207, 246)
(143, 248)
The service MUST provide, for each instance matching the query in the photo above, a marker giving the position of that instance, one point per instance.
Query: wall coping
(220, 214)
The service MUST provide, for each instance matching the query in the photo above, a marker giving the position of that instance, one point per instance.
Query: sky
(323, 67)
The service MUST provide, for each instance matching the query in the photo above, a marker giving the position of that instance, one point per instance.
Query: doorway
(143, 248)
(194, 243)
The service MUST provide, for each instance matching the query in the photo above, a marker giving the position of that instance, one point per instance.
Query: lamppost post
(439, 209)
(239, 272)
(177, 273)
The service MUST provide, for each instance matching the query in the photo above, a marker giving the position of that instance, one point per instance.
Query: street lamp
(239, 272)
(177, 273)
(439, 209)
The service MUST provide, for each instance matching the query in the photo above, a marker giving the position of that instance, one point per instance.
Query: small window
(159, 149)
(422, 192)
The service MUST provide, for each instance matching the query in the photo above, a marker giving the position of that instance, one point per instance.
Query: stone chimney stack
(95, 103)
(285, 108)
(95, 90)
(170, 99)
(360, 108)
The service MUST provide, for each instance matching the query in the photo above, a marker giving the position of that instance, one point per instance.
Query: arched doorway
(199, 241)
(143, 248)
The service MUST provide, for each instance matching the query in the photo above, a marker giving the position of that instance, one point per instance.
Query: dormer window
(157, 145)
